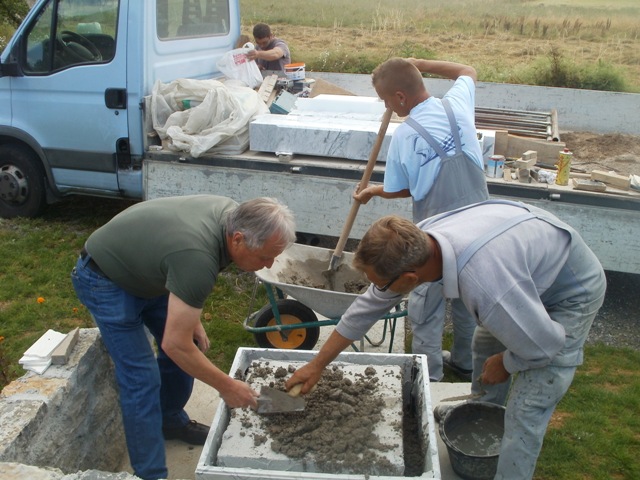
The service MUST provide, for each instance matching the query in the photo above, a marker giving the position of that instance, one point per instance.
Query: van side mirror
(9, 70)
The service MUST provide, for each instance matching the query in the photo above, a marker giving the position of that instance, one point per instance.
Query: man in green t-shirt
(153, 266)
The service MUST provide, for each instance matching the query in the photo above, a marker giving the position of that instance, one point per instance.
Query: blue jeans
(153, 389)
(426, 310)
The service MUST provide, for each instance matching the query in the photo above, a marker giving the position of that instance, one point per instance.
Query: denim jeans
(426, 310)
(531, 396)
(153, 389)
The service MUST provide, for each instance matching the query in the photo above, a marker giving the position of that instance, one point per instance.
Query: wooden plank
(589, 185)
(547, 151)
(267, 88)
(613, 179)
(60, 356)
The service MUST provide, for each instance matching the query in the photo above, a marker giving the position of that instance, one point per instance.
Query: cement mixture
(337, 432)
(314, 273)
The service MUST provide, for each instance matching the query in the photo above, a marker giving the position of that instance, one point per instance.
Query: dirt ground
(609, 152)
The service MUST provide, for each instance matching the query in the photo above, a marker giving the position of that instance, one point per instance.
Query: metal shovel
(276, 401)
(346, 229)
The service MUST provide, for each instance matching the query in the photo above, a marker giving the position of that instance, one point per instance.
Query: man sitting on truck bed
(271, 53)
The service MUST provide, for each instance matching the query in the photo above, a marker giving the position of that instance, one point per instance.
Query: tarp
(199, 116)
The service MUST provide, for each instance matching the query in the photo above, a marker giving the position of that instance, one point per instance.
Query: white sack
(220, 121)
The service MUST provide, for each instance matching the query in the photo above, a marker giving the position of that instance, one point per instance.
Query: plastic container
(294, 71)
(495, 166)
(472, 433)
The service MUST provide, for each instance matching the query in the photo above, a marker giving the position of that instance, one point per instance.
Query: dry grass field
(506, 41)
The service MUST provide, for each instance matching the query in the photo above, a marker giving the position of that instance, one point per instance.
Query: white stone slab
(367, 108)
(238, 448)
(318, 135)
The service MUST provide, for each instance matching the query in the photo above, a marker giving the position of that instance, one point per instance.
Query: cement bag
(219, 121)
(234, 65)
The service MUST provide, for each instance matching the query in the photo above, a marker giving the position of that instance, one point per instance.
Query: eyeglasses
(387, 285)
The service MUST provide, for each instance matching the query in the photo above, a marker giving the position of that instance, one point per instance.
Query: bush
(557, 71)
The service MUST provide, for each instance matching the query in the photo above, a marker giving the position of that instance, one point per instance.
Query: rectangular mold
(415, 388)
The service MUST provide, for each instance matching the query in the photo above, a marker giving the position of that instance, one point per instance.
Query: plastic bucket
(294, 71)
(472, 433)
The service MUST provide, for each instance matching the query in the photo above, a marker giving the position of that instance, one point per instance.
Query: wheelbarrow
(292, 323)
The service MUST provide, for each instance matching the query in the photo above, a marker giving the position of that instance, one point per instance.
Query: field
(508, 41)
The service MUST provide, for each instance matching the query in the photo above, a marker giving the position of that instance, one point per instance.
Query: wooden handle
(371, 163)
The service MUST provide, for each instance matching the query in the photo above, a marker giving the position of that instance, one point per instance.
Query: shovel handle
(371, 163)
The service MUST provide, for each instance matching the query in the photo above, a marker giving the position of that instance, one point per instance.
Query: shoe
(440, 411)
(193, 433)
(460, 372)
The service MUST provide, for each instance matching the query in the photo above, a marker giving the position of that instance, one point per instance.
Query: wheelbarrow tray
(298, 272)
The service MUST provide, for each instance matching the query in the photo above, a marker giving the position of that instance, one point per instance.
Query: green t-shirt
(174, 244)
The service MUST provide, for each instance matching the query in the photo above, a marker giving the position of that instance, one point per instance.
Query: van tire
(22, 182)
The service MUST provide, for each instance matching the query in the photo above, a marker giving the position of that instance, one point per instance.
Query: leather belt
(91, 264)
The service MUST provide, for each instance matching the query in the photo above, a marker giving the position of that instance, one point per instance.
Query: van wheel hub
(14, 187)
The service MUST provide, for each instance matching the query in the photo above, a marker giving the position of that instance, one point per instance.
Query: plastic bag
(235, 65)
(219, 123)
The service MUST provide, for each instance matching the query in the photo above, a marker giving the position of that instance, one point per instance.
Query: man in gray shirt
(532, 284)
(271, 53)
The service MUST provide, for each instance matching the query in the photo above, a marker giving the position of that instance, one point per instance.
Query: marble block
(366, 108)
(318, 135)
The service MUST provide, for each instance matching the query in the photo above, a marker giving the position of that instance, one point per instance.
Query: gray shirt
(509, 285)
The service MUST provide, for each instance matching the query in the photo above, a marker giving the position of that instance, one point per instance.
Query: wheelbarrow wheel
(291, 312)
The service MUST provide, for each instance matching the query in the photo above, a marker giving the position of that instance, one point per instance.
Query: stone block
(318, 135)
(68, 417)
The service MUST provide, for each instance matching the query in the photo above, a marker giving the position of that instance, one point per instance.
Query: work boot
(460, 372)
(193, 433)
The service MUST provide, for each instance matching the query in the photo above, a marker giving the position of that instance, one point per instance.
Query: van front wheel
(22, 187)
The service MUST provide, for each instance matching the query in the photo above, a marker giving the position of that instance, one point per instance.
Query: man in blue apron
(435, 158)
(534, 288)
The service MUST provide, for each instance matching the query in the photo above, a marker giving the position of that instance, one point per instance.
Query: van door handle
(116, 98)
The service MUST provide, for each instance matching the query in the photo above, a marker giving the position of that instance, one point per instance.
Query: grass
(593, 434)
(36, 258)
(506, 41)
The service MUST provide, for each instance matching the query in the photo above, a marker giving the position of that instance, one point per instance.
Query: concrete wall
(66, 420)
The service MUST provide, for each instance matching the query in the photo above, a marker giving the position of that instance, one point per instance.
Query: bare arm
(269, 55)
(377, 191)
(449, 70)
(182, 327)
(310, 373)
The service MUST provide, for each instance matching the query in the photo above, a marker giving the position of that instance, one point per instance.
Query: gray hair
(259, 219)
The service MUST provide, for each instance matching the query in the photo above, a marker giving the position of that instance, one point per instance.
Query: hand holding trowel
(277, 401)
(346, 229)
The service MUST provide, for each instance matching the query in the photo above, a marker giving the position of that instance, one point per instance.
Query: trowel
(276, 401)
(346, 229)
